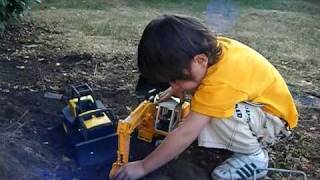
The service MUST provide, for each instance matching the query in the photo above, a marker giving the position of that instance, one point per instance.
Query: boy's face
(198, 69)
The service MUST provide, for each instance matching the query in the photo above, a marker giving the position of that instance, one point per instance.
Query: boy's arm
(176, 142)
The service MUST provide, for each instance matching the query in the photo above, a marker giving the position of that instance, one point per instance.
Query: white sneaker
(243, 166)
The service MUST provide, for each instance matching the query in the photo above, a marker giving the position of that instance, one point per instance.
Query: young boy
(239, 101)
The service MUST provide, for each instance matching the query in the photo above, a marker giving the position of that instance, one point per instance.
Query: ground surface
(59, 46)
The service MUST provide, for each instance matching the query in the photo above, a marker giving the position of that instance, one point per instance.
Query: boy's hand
(132, 170)
(165, 95)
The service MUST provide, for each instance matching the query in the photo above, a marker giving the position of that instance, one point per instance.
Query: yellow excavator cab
(168, 116)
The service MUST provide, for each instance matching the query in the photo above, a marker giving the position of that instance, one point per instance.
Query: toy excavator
(151, 120)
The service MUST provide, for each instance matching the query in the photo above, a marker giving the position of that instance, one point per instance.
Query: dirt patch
(34, 144)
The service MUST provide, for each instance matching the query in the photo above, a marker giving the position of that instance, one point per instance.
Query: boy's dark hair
(168, 45)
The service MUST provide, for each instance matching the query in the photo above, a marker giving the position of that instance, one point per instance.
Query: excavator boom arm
(144, 112)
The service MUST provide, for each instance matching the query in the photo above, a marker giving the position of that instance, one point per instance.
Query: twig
(95, 70)
(313, 94)
(20, 118)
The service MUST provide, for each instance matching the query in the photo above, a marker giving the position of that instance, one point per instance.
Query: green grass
(261, 4)
(77, 4)
(122, 19)
(282, 30)
(306, 6)
(194, 6)
(116, 21)
(197, 6)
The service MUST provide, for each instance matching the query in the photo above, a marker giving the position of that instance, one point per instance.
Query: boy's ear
(201, 59)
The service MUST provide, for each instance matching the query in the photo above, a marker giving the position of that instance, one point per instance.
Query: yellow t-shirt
(242, 74)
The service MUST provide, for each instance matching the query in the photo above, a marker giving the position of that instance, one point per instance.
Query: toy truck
(90, 127)
(151, 120)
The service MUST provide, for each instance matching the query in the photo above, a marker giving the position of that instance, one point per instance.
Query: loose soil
(34, 146)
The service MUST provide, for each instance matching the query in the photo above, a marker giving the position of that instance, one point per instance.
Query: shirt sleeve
(217, 100)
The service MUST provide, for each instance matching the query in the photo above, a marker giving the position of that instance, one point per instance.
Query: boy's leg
(243, 134)
(234, 133)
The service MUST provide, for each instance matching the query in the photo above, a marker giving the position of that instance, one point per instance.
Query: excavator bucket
(97, 151)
